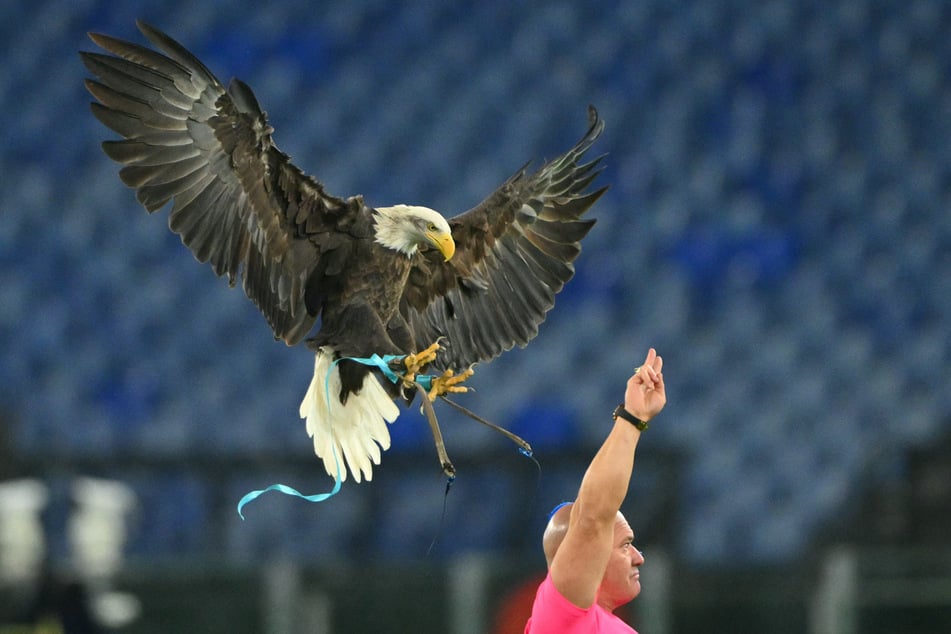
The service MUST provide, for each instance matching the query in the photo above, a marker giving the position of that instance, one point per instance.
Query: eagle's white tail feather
(356, 431)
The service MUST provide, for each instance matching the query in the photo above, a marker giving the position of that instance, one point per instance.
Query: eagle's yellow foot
(415, 362)
(449, 383)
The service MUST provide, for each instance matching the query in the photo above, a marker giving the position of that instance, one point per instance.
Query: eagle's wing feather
(238, 202)
(514, 253)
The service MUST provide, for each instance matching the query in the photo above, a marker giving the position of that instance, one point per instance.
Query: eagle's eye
(431, 226)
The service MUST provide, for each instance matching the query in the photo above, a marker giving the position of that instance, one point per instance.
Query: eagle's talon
(449, 383)
(415, 362)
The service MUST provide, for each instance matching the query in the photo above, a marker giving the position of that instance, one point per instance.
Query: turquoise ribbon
(286, 490)
(383, 363)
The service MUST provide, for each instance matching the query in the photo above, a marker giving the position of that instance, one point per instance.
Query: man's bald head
(556, 530)
(558, 527)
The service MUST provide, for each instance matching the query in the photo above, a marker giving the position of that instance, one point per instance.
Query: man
(593, 567)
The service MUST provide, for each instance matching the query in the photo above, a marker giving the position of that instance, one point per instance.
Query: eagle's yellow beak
(443, 242)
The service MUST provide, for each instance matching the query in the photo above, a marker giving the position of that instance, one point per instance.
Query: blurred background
(777, 227)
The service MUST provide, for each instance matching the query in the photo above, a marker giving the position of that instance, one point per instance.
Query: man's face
(621, 581)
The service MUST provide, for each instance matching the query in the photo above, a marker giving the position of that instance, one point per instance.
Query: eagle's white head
(405, 227)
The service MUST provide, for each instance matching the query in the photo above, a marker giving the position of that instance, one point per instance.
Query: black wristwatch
(629, 417)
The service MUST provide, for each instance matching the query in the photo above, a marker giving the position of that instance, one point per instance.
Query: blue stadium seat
(777, 226)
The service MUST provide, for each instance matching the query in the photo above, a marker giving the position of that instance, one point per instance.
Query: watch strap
(619, 411)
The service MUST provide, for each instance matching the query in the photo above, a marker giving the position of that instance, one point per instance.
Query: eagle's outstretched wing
(514, 252)
(238, 202)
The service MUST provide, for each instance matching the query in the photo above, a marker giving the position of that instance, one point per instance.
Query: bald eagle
(375, 281)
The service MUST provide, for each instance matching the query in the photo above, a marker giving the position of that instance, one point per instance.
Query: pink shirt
(554, 614)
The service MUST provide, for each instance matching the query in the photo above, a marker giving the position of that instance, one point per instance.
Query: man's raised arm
(580, 555)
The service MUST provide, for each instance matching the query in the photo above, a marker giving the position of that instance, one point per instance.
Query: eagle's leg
(449, 383)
